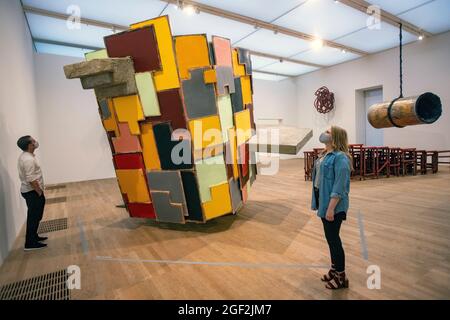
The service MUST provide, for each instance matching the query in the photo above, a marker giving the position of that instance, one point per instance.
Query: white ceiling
(325, 19)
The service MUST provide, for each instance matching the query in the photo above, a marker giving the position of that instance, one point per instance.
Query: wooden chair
(370, 162)
(383, 154)
(308, 164)
(433, 164)
(356, 151)
(394, 161)
(421, 161)
(408, 160)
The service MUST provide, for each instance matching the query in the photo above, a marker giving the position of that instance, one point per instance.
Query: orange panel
(191, 52)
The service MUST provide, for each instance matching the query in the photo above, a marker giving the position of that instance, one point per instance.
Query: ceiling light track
(260, 24)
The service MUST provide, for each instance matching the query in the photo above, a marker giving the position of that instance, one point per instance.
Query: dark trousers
(332, 229)
(35, 204)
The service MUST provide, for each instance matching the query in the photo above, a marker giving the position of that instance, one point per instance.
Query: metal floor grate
(50, 286)
(52, 225)
(55, 200)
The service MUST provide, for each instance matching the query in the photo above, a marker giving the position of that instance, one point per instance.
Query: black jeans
(35, 204)
(332, 229)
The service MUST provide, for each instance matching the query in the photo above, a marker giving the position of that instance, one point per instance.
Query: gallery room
(225, 150)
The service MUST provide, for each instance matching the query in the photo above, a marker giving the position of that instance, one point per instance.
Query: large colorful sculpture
(178, 112)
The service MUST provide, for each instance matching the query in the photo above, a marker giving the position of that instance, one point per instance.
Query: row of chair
(370, 161)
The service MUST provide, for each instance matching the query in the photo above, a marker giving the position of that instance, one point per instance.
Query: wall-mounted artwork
(178, 113)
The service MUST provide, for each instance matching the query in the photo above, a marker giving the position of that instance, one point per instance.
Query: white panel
(288, 68)
(265, 76)
(433, 17)
(324, 18)
(57, 30)
(396, 7)
(325, 56)
(60, 50)
(266, 10)
(113, 11)
(376, 39)
(183, 23)
(260, 62)
(268, 42)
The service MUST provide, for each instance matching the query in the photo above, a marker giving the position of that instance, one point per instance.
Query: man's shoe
(35, 246)
(39, 239)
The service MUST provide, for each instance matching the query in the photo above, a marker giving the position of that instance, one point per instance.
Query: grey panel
(165, 210)
(103, 104)
(199, 97)
(236, 199)
(225, 79)
(167, 181)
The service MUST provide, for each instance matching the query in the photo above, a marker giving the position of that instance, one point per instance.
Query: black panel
(192, 196)
(165, 145)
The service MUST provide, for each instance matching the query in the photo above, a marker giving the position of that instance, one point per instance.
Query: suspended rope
(401, 60)
(401, 79)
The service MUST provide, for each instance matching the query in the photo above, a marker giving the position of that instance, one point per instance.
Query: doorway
(372, 136)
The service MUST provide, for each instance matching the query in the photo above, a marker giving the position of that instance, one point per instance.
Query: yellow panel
(110, 124)
(132, 182)
(246, 86)
(243, 126)
(149, 150)
(129, 109)
(238, 69)
(220, 203)
(210, 76)
(201, 136)
(233, 150)
(167, 78)
(191, 52)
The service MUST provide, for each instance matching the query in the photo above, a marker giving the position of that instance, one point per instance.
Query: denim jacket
(334, 182)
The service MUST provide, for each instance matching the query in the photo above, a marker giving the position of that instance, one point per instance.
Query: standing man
(32, 189)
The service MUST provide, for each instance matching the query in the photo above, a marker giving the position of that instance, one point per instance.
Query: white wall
(276, 99)
(73, 144)
(426, 68)
(18, 116)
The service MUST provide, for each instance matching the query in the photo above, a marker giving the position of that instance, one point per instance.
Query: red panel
(141, 210)
(140, 44)
(129, 161)
(171, 108)
(244, 163)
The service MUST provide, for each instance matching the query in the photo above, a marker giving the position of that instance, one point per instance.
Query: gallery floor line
(83, 240)
(364, 251)
(221, 264)
(409, 242)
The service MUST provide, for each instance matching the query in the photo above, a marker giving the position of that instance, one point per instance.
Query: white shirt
(29, 171)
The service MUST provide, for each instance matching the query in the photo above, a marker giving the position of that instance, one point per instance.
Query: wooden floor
(273, 249)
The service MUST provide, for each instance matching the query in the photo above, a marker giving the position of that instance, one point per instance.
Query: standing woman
(331, 186)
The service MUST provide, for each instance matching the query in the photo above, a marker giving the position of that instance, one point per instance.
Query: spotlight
(317, 43)
(189, 10)
(420, 37)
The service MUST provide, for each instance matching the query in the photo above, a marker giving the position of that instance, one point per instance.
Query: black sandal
(339, 281)
(329, 276)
